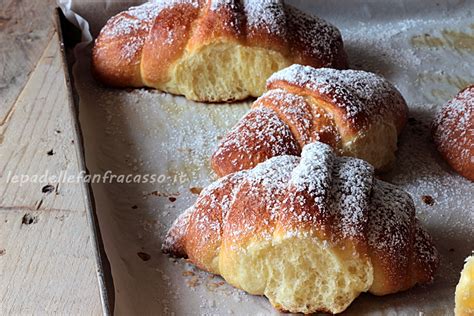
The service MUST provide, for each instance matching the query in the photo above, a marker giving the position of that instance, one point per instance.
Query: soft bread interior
(223, 71)
(465, 290)
(298, 274)
(377, 145)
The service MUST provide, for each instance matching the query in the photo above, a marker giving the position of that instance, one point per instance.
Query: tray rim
(103, 269)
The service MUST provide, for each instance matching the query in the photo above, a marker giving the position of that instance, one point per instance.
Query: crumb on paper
(195, 190)
(161, 194)
(428, 199)
(193, 282)
(188, 273)
(144, 256)
(215, 285)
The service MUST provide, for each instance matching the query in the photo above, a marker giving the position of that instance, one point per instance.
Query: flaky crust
(358, 113)
(335, 200)
(139, 47)
(453, 133)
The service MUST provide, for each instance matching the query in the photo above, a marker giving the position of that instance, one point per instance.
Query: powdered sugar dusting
(293, 109)
(314, 173)
(268, 14)
(260, 132)
(180, 226)
(273, 173)
(454, 126)
(123, 25)
(393, 227)
(217, 4)
(391, 218)
(136, 22)
(267, 184)
(358, 93)
(316, 36)
(217, 197)
(425, 251)
(339, 186)
(350, 195)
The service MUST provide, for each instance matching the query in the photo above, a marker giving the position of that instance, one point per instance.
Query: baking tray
(425, 48)
(69, 36)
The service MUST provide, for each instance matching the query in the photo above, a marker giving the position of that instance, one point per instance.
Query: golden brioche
(453, 133)
(464, 297)
(214, 50)
(358, 113)
(309, 233)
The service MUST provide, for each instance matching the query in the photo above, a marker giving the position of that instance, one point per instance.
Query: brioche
(358, 113)
(453, 133)
(214, 50)
(309, 233)
(464, 296)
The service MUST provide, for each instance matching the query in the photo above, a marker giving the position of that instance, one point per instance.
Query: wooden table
(47, 263)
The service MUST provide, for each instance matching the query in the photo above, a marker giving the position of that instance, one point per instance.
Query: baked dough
(309, 233)
(453, 133)
(219, 50)
(358, 113)
(465, 290)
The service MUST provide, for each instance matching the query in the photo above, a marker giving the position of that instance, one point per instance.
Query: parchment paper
(425, 48)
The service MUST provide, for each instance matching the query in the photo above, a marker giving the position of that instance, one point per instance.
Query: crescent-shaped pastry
(358, 113)
(309, 233)
(214, 50)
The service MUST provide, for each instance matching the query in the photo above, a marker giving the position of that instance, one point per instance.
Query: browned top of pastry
(156, 34)
(356, 98)
(453, 132)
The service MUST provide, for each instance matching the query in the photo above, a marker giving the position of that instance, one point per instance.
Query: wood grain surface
(25, 29)
(47, 263)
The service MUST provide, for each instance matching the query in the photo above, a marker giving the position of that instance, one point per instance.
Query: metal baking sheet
(425, 48)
